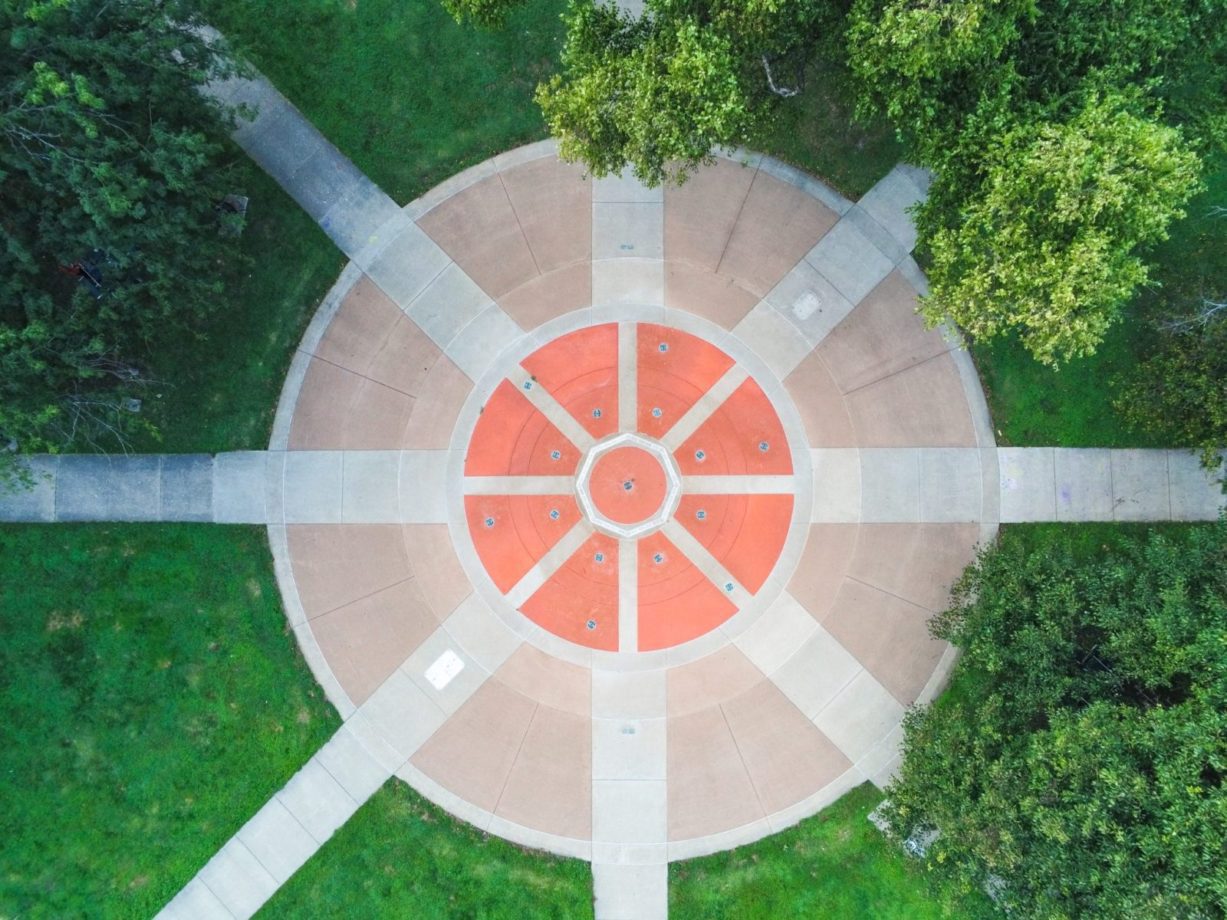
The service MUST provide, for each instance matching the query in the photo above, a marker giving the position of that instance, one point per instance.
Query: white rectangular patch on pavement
(444, 670)
(806, 305)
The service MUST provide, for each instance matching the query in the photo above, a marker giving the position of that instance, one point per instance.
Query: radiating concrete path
(851, 485)
(635, 757)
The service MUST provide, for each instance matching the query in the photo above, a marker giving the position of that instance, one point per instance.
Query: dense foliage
(1107, 106)
(1180, 392)
(1048, 245)
(490, 13)
(109, 187)
(659, 90)
(643, 91)
(1081, 756)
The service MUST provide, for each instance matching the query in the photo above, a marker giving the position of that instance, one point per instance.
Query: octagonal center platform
(628, 485)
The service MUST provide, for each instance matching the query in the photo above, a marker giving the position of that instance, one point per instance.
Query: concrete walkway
(375, 742)
(628, 758)
(852, 485)
(349, 207)
(284, 834)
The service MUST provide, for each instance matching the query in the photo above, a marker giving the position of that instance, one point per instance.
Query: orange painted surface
(512, 438)
(746, 533)
(743, 437)
(580, 370)
(512, 532)
(627, 484)
(674, 370)
(677, 603)
(583, 591)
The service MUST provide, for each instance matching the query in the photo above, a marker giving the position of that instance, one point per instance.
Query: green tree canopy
(488, 13)
(1081, 754)
(930, 66)
(661, 91)
(109, 186)
(1020, 105)
(1047, 245)
(645, 93)
(1180, 391)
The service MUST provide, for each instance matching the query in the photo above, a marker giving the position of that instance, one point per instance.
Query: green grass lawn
(406, 93)
(1032, 404)
(216, 388)
(153, 700)
(400, 856)
(833, 866)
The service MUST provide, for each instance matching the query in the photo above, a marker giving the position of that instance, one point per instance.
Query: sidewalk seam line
(736, 220)
(519, 225)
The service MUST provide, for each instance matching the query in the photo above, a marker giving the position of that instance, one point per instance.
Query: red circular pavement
(693, 568)
(627, 485)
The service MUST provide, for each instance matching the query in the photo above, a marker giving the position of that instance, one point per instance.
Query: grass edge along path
(834, 865)
(409, 95)
(216, 387)
(402, 856)
(154, 700)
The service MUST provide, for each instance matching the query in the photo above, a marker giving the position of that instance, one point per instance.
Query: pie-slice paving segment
(579, 602)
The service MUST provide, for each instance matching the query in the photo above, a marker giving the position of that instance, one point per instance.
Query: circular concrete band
(765, 629)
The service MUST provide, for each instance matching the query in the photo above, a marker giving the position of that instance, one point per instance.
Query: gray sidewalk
(284, 834)
(355, 213)
(885, 485)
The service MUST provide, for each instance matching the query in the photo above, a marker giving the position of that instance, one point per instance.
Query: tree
(110, 181)
(657, 94)
(1180, 392)
(1081, 753)
(488, 13)
(930, 66)
(991, 94)
(1047, 244)
(660, 91)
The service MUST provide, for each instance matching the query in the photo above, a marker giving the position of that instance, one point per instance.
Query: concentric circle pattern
(650, 444)
(619, 514)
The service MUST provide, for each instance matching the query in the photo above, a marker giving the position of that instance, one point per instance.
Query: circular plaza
(673, 482)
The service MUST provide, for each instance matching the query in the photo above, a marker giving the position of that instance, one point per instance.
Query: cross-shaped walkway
(627, 693)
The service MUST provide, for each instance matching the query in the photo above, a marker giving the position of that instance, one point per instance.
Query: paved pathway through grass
(852, 251)
(871, 485)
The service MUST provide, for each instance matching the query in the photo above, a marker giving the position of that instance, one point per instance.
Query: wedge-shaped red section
(580, 370)
(579, 602)
(743, 436)
(674, 370)
(512, 532)
(745, 533)
(512, 438)
(677, 602)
